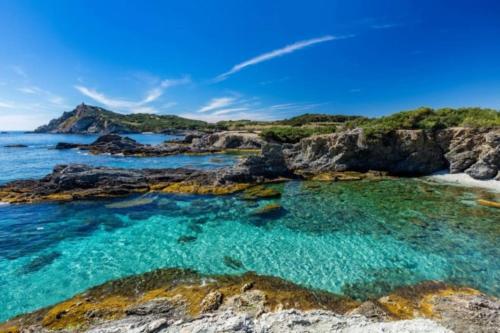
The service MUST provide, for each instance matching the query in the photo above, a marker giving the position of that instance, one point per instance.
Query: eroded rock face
(228, 140)
(403, 152)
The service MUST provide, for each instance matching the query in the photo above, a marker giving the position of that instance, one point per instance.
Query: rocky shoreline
(175, 300)
(193, 143)
(348, 155)
(75, 182)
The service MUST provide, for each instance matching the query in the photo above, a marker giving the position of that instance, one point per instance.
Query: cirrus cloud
(278, 53)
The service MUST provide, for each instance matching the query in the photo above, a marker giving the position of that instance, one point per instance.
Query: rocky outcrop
(76, 181)
(228, 140)
(175, 300)
(207, 143)
(115, 144)
(403, 152)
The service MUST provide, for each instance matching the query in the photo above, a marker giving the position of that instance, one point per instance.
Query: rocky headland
(87, 119)
(174, 300)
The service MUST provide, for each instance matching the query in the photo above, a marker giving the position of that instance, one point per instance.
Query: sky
(263, 60)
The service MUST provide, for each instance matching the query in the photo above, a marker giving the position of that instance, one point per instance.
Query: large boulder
(228, 140)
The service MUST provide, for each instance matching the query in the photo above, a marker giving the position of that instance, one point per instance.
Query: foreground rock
(173, 300)
(207, 143)
(404, 152)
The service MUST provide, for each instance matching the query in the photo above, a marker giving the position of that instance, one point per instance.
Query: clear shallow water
(39, 158)
(357, 238)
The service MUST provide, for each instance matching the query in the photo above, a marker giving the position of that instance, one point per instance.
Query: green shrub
(288, 134)
(429, 119)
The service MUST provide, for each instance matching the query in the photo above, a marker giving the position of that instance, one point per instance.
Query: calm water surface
(356, 238)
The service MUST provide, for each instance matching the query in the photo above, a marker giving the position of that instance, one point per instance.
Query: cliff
(402, 152)
(86, 119)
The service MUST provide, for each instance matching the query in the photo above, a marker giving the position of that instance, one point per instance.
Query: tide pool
(39, 158)
(361, 239)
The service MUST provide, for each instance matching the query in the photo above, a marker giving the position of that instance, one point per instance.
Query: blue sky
(237, 59)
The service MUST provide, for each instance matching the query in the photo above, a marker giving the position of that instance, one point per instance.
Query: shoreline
(463, 180)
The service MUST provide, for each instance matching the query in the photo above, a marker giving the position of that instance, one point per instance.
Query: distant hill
(86, 119)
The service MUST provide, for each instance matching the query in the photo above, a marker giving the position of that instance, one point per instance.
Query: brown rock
(211, 302)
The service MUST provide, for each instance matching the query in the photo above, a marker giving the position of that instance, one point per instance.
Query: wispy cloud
(278, 53)
(249, 114)
(228, 111)
(133, 106)
(239, 107)
(217, 103)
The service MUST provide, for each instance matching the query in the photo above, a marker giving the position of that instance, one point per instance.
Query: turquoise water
(356, 238)
(39, 157)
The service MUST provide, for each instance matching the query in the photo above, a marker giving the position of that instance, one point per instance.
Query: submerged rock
(232, 263)
(16, 146)
(488, 203)
(186, 239)
(260, 192)
(269, 211)
(40, 262)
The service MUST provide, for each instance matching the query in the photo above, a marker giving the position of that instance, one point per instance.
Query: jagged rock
(211, 302)
(402, 152)
(67, 145)
(468, 313)
(371, 310)
(228, 140)
(482, 170)
(77, 181)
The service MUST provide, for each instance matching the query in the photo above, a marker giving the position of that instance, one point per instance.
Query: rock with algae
(260, 192)
(174, 300)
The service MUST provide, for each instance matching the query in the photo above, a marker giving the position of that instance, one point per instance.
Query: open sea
(361, 238)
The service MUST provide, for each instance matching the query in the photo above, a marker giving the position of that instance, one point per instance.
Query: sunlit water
(360, 238)
(39, 158)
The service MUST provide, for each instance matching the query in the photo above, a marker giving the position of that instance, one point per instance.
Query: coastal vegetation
(429, 119)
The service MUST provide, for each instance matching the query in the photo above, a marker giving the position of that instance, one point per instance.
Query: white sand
(462, 179)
